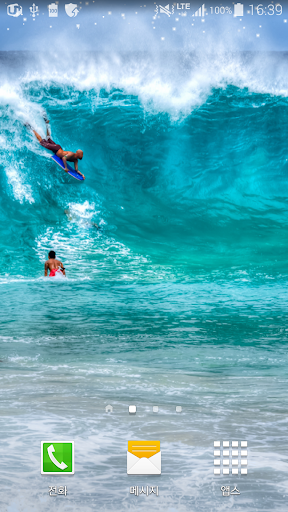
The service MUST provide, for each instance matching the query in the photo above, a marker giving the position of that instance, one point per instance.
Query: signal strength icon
(201, 11)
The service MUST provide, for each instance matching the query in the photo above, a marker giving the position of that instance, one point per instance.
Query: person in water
(55, 266)
(87, 223)
(66, 156)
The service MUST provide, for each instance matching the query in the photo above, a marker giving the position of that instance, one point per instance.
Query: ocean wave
(186, 165)
(175, 82)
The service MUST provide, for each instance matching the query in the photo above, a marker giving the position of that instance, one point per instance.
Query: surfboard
(71, 171)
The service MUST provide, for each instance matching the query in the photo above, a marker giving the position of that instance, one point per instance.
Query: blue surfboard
(71, 171)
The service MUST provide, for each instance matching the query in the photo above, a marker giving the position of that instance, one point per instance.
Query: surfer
(55, 266)
(48, 143)
(86, 223)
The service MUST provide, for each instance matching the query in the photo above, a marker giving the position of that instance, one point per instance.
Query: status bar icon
(238, 10)
(14, 10)
(164, 10)
(201, 11)
(71, 10)
(34, 10)
(53, 10)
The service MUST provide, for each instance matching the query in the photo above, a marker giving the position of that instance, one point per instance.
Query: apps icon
(14, 10)
(53, 10)
(144, 458)
(234, 460)
(57, 457)
(71, 10)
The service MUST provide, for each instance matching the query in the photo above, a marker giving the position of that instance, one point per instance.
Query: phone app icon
(144, 458)
(57, 457)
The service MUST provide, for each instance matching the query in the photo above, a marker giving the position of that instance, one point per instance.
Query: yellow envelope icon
(144, 458)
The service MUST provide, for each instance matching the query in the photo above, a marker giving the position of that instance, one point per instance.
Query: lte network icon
(71, 10)
(14, 10)
(53, 10)
(132, 409)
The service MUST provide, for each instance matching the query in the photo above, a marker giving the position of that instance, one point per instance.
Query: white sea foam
(21, 191)
(174, 83)
(81, 212)
(19, 107)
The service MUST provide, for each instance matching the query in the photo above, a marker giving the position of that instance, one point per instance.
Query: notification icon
(53, 10)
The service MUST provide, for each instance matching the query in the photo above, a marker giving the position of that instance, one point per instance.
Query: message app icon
(144, 458)
(57, 457)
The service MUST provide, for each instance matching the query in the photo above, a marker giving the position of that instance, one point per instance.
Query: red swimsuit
(54, 271)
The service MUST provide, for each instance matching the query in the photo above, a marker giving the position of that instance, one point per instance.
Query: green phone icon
(57, 457)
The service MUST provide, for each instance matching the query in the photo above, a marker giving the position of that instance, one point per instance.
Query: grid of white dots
(231, 455)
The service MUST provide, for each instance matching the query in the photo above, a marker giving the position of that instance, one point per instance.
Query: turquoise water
(179, 299)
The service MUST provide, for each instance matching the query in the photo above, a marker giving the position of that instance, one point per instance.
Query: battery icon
(238, 10)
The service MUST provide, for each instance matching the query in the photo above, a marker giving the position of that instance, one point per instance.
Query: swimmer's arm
(45, 269)
(77, 170)
(65, 163)
(64, 159)
(62, 267)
